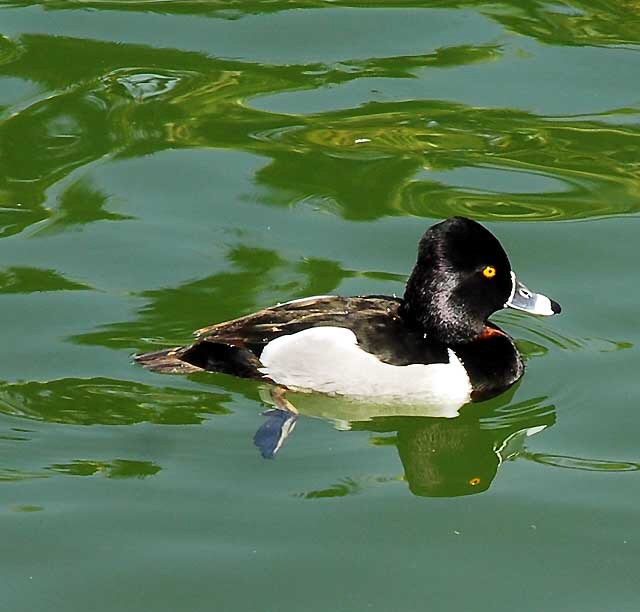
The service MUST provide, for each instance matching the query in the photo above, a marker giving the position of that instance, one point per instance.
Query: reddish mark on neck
(490, 332)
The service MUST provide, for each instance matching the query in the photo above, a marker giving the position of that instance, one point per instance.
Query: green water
(167, 165)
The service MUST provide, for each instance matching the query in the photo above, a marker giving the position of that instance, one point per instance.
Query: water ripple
(423, 157)
(9, 50)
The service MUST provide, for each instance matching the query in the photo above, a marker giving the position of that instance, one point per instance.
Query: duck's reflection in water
(443, 453)
(451, 457)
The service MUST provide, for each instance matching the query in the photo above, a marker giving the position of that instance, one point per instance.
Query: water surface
(164, 166)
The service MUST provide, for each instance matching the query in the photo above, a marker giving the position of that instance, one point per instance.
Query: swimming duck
(434, 345)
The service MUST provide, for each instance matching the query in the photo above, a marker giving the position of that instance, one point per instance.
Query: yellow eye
(489, 272)
(474, 481)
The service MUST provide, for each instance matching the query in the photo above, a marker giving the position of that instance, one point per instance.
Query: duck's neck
(439, 322)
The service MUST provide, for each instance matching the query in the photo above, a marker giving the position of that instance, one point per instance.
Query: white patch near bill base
(329, 360)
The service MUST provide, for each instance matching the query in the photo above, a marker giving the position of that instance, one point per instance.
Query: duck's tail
(167, 361)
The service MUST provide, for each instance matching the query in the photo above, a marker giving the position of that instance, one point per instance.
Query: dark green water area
(165, 165)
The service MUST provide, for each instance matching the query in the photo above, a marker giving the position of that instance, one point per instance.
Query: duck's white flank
(329, 360)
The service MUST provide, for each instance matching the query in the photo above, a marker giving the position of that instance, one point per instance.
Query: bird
(435, 344)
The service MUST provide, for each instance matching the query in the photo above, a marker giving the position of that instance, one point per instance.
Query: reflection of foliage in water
(21, 279)
(78, 205)
(382, 158)
(103, 402)
(258, 277)
(568, 22)
(108, 402)
(572, 22)
(118, 468)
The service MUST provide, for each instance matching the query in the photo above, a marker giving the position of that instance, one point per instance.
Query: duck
(435, 344)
